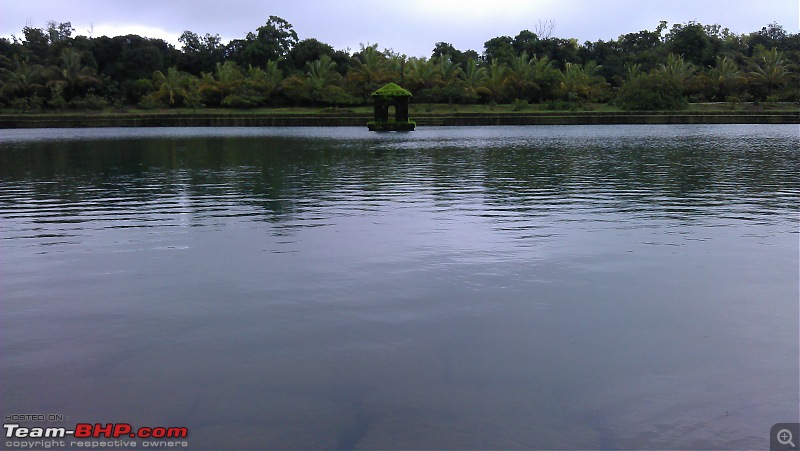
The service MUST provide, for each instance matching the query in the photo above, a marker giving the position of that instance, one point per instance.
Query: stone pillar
(401, 109)
(381, 109)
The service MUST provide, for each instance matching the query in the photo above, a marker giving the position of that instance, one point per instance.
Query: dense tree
(226, 81)
(653, 91)
(369, 69)
(495, 83)
(446, 51)
(132, 57)
(35, 48)
(663, 68)
(23, 80)
(74, 78)
(725, 78)
(499, 49)
(265, 82)
(307, 51)
(322, 81)
(691, 42)
(581, 83)
(645, 48)
(270, 42)
(521, 78)
(769, 70)
(200, 54)
(474, 80)
(771, 36)
(174, 87)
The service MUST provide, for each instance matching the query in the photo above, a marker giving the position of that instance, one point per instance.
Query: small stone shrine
(391, 95)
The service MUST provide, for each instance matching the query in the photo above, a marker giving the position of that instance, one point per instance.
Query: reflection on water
(492, 287)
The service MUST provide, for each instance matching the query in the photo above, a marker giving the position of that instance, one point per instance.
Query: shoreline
(186, 119)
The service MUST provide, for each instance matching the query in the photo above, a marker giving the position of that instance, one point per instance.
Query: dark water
(496, 287)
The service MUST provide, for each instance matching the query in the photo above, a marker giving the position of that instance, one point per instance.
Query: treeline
(49, 68)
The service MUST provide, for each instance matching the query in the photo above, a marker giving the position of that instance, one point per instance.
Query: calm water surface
(494, 287)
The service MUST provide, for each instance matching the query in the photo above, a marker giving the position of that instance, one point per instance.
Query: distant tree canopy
(50, 68)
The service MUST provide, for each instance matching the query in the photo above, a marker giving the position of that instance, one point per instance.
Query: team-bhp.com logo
(97, 430)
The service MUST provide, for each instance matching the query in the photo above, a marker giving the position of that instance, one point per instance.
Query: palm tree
(546, 76)
(497, 74)
(474, 78)
(321, 84)
(321, 73)
(597, 82)
(397, 65)
(770, 70)
(448, 70)
(581, 82)
(725, 76)
(370, 68)
(74, 75)
(678, 69)
(574, 82)
(174, 85)
(227, 80)
(520, 76)
(267, 81)
(632, 71)
(422, 73)
(23, 80)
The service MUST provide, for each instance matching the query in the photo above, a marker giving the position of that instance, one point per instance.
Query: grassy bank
(423, 114)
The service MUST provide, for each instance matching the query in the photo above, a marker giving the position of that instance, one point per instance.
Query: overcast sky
(410, 27)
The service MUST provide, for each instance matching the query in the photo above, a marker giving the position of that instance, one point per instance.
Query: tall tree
(265, 82)
(36, 46)
(769, 70)
(24, 79)
(321, 79)
(575, 82)
(474, 79)
(74, 77)
(174, 87)
(678, 69)
(495, 83)
(307, 51)
(369, 68)
(522, 77)
(498, 49)
(691, 42)
(270, 42)
(421, 74)
(227, 80)
(200, 54)
(725, 77)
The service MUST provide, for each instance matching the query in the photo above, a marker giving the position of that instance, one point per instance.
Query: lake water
(490, 287)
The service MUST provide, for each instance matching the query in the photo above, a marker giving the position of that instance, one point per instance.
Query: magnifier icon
(785, 437)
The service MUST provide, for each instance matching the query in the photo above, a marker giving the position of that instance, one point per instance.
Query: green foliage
(519, 105)
(150, 102)
(88, 102)
(369, 69)
(561, 105)
(725, 78)
(270, 42)
(271, 67)
(56, 101)
(769, 70)
(242, 101)
(654, 91)
(692, 42)
(391, 90)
